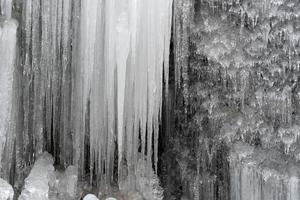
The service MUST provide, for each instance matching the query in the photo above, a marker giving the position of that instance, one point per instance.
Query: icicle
(167, 26)
(87, 58)
(110, 66)
(66, 85)
(37, 79)
(122, 51)
(8, 32)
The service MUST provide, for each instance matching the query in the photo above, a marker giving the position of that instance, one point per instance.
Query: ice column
(8, 29)
(123, 56)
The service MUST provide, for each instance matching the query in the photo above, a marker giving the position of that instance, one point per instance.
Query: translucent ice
(6, 191)
(120, 77)
(37, 183)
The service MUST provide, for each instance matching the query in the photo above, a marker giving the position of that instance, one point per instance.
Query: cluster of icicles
(123, 62)
(93, 76)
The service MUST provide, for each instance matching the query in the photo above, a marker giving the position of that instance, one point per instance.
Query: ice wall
(237, 79)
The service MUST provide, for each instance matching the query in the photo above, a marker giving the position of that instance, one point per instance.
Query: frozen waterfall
(92, 83)
(150, 99)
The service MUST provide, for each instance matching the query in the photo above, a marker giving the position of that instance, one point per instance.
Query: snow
(37, 183)
(90, 197)
(6, 190)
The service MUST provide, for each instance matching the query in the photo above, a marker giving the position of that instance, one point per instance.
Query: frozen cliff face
(237, 80)
(6, 191)
(37, 183)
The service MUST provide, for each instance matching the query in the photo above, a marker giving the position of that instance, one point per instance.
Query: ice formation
(6, 191)
(8, 41)
(91, 82)
(237, 80)
(120, 78)
(259, 174)
(90, 197)
(37, 183)
(6, 8)
(63, 185)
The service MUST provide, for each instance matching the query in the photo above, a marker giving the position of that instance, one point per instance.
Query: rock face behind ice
(37, 183)
(6, 191)
(90, 197)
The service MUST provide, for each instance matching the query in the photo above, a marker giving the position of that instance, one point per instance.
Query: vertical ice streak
(86, 64)
(122, 51)
(110, 66)
(8, 30)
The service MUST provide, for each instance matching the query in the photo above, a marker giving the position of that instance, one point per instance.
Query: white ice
(90, 197)
(8, 30)
(6, 190)
(37, 183)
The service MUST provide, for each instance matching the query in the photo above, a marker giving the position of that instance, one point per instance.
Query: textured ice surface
(71, 180)
(63, 185)
(6, 191)
(37, 183)
(262, 174)
(148, 184)
(237, 77)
